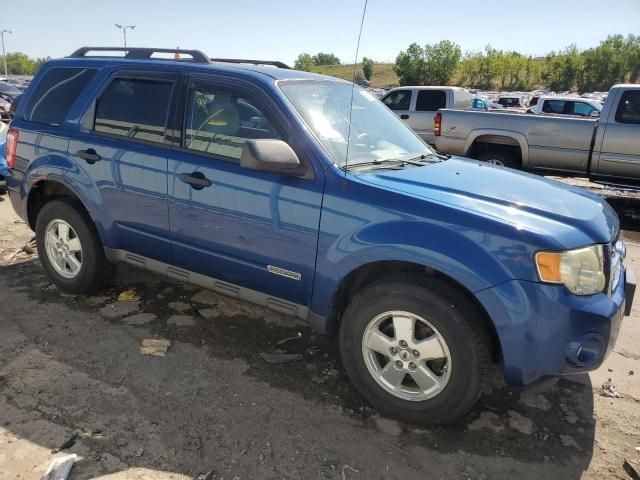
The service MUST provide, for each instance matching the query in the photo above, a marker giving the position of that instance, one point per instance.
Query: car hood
(571, 216)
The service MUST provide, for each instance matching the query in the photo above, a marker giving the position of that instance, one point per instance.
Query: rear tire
(70, 249)
(502, 158)
(445, 319)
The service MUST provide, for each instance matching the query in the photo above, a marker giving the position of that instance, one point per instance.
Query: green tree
(325, 59)
(20, 64)
(433, 64)
(304, 62)
(367, 68)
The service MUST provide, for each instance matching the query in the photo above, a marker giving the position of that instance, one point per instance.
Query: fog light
(586, 350)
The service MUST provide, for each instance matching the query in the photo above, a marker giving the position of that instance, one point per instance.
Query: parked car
(5, 108)
(417, 105)
(605, 148)
(512, 101)
(327, 208)
(575, 106)
(483, 103)
(4, 169)
(9, 92)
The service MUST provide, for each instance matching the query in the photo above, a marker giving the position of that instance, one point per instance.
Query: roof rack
(274, 63)
(143, 53)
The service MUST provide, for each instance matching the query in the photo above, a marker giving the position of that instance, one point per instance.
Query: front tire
(70, 249)
(415, 348)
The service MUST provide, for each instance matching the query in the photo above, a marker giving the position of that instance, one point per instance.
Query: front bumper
(545, 331)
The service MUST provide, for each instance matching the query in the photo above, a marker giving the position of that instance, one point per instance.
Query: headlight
(580, 270)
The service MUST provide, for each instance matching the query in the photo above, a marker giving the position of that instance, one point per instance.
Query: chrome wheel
(406, 355)
(63, 248)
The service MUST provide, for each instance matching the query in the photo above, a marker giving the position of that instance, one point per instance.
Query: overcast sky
(280, 29)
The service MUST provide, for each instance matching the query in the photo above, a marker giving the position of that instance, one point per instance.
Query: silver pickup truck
(607, 147)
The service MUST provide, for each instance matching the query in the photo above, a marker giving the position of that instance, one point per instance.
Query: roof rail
(143, 53)
(274, 63)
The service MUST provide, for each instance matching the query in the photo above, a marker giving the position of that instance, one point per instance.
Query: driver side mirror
(271, 155)
(594, 113)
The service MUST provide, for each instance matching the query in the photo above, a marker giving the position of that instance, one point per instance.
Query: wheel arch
(367, 273)
(502, 138)
(44, 190)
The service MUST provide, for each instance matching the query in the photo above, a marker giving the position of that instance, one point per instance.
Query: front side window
(431, 100)
(134, 108)
(398, 100)
(55, 94)
(629, 108)
(375, 133)
(220, 123)
(583, 109)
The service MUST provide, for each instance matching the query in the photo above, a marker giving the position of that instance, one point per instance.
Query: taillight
(11, 147)
(437, 123)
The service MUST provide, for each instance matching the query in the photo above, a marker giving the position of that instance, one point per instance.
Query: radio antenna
(353, 84)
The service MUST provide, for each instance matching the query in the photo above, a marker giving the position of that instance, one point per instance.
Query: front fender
(477, 260)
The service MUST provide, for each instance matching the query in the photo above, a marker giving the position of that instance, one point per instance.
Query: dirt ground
(213, 408)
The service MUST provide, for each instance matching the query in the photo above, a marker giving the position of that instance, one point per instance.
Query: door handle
(404, 116)
(89, 155)
(196, 179)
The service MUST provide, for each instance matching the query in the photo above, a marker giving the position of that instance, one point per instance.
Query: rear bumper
(544, 331)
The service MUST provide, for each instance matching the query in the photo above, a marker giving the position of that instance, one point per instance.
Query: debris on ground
(60, 467)
(631, 469)
(279, 358)
(30, 247)
(128, 296)
(288, 339)
(68, 443)
(608, 389)
(140, 452)
(155, 346)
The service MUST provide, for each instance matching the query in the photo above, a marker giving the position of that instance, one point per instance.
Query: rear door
(619, 155)
(122, 154)
(428, 102)
(247, 231)
(400, 101)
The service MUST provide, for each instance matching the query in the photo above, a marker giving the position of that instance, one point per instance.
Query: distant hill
(383, 75)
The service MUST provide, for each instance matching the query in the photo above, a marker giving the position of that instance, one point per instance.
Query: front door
(256, 230)
(619, 154)
(125, 157)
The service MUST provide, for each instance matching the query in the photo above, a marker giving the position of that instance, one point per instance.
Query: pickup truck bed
(606, 147)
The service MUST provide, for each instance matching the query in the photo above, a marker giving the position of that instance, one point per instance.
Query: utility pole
(124, 31)
(4, 54)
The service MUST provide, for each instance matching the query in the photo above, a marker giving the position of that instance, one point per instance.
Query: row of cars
(417, 105)
(10, 89)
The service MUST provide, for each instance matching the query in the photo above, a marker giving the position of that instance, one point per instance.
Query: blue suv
(306, 195)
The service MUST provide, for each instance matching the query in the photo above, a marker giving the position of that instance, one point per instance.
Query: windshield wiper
(390, 163)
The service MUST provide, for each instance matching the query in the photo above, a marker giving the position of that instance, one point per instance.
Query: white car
(575, 106)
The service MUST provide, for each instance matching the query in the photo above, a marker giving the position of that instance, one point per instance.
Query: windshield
(376, 134)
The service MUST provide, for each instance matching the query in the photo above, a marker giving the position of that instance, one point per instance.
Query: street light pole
(4, 54)
(124, 31)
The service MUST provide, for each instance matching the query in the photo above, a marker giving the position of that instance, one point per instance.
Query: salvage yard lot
(70, 367)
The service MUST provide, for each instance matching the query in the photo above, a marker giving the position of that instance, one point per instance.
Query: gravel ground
(70, 367)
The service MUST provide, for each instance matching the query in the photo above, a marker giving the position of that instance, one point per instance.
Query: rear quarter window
(55, 94)
(431, 100)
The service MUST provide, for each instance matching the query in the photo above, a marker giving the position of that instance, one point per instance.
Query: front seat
(222, 116)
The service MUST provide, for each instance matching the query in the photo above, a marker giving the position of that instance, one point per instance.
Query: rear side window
(431, 100)
(57, 90)
(398, 100)
(553, 106)
(629, 108)
(134, 108)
